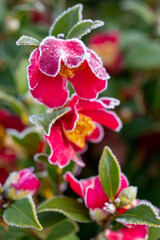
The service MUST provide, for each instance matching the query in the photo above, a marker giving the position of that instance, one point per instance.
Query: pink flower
(107, 46)
(55, 62)
(91, 190)
(70, 133)
(128, 233)
(20, 184)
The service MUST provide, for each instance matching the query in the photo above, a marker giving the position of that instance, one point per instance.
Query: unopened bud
(109, 208)
(127, 195)
(97, 214)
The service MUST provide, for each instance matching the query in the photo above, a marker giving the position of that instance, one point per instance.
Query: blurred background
(129, 45)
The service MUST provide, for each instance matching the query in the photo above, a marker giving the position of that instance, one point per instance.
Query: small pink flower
(20, 184)
(91, 190)
(55, 62)
(70, 133)
(128, 233)
(107, 46)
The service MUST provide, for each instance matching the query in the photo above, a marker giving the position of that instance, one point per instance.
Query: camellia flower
(58, 60)
(20, 184)
(107, 46)
(69, 133)
(91, 191)
(128, 233)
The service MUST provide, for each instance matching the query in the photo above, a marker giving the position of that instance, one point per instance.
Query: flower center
(2, 135)
(66, 72)
(84, 127)
(107, 51)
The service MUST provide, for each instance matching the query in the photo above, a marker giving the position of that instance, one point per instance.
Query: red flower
(107, 46)
(91, 190)
(128, 233)
(83, 122)
(7, 153)
(20, 184)
(55, 62)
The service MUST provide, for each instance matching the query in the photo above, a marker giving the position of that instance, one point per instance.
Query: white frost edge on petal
(30, 57)
(62, 56)
(96, 23)
(113, 102)
(63, 13)
(100, 60)
(35, 216)
(101, 135)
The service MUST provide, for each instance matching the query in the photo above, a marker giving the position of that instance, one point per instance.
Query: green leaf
(22, 213)
(26, 40)
(141, 9)
(67, 206)
(145, 56)
(15, 105)
(20, 77)
(142, 214)
(12, 233)
(109, 172)
(46, 120)
(47, 219)
(41, 157)
(28, 138)
(82, 28)
(63, 229)
(154, 233)
(66, 20)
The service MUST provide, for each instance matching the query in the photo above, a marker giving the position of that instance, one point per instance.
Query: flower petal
(86, 84)
(50, 91)
(70, 118)
(52, 51)
(96, 66)
(95, 197)
(124, 183)
(61, 149)
(34, 74)
(27, 181)
(134, 233)
(78, 187)
(97, 135)
(104, 117)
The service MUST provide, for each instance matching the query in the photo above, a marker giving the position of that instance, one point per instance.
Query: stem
(106, 224)
(59, 178)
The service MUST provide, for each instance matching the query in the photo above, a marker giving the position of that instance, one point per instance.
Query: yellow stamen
(66, 72)
(2, 136)
(84, 127)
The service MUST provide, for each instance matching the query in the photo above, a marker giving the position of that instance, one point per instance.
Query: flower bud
(97, 214)
(126, 196)
(20, 184)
